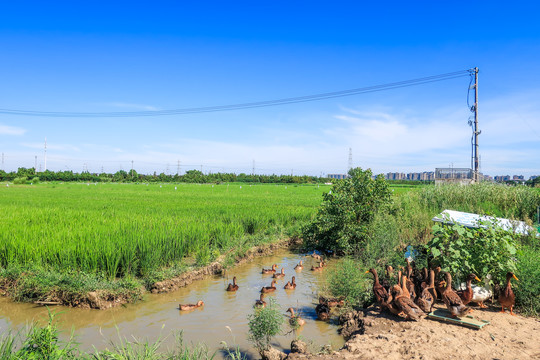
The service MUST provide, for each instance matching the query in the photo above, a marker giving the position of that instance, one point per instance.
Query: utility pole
(35, 163)
(477, 132)
(178, 168)
(131, 168)
(253, 170)
(2, 161)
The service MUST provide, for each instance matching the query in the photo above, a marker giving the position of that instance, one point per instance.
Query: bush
(20, 180)
(343, 222)
(347, 281)
(527, 289)
(462, 250)
(264, 324)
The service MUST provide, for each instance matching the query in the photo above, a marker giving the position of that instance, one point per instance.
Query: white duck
(480, 293)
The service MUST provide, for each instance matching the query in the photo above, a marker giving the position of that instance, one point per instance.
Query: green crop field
(131, 229)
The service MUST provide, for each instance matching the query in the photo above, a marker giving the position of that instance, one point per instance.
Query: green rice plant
(123, 230)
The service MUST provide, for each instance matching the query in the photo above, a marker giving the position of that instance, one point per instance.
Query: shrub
(527, 289)
(264, 324)
(20, 180)
(347, 281)
(462, 250)
(343, 222)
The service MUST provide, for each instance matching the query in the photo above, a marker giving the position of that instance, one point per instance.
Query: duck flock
(410, 295)
(322, 309)
(413, 294)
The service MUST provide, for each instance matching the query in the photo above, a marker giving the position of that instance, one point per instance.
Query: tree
(343, 222)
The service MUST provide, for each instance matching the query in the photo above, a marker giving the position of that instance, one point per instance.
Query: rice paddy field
(131, 229)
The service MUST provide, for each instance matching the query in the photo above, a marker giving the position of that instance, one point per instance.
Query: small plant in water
(264, 324)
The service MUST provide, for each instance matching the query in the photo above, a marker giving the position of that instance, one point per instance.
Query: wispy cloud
(11, 130)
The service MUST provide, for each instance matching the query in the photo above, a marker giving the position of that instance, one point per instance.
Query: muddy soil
(387, 337)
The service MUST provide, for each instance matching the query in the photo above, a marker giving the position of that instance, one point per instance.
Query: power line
(248, 105)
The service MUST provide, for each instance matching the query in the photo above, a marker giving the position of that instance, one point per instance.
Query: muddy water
(158, 315)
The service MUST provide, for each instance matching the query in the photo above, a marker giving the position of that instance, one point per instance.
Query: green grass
(122, 230)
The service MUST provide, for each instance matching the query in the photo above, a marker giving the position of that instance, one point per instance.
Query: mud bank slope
(385, 337)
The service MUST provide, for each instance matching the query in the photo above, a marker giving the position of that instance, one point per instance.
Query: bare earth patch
(387, 337)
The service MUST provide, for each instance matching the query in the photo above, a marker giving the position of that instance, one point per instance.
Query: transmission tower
(45, 153)
(350, 159)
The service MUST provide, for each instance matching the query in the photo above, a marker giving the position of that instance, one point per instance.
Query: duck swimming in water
(233, 286)
(290, 285)
(270, 271)
(187, 307)
(270, 288)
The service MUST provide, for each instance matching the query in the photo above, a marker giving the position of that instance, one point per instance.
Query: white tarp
(475, 220)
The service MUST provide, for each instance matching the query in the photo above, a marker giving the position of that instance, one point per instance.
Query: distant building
(423, 176)
(502, 178)
(518, 178)
(337, 176)
(461, 176)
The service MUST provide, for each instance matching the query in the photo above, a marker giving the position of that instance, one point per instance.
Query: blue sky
(133, 56)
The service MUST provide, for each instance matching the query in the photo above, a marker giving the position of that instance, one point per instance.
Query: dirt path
(385, 337)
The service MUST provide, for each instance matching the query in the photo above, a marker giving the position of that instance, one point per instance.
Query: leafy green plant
(347, 281)
(482, 251)
(264, 324)
(43, 343)
(343, 222)
(527, 289)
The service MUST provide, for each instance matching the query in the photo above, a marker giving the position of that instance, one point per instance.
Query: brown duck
(452, 300)
(279, 275)
(507, 298)
(271, 288)
(426, 300)
(290, 285)
(467, 294)
(260, 303)
(233, 286)
(404, 304)
(295, 319)
(270, 271)
(187, 307)
(381, 295)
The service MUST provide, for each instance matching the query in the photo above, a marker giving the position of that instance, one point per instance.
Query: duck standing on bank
(452, 300)
(507, 299)
(467, 294)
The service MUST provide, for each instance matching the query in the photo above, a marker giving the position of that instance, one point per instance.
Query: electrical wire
(241, 106)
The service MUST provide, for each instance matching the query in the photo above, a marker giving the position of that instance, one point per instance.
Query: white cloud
(11, 130)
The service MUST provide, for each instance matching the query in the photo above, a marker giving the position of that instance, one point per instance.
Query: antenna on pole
(350, 159)
(45, 152)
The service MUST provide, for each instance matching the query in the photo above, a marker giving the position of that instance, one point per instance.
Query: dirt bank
(386, 337)
(216, 267)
